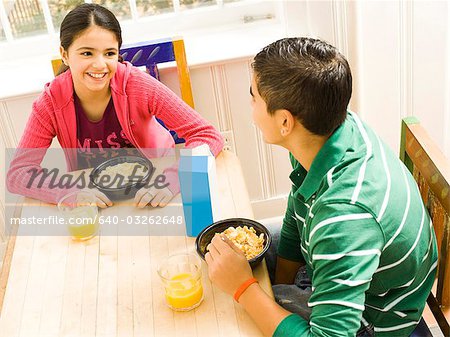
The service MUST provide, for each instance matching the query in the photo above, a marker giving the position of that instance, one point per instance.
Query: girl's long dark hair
(81, 18)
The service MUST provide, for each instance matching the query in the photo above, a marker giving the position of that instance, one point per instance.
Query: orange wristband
(243, 287)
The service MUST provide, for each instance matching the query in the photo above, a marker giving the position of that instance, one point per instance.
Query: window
(120, 8)
(214, 30)
(25, 18)
(29, 29)
(59, 9)
(146, 8)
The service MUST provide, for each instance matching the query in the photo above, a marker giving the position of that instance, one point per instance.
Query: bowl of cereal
(121, 177)
(251, 237)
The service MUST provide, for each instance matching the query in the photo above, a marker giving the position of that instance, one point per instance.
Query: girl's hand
(153, 196)
(228, 267)
(100, 198)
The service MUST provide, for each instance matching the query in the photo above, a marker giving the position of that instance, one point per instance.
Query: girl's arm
(33, 145)
(181, 118)
(25, 175)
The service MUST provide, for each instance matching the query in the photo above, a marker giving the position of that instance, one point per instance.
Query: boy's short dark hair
(307, 77)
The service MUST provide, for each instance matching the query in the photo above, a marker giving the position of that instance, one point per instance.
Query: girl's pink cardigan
(138, 99)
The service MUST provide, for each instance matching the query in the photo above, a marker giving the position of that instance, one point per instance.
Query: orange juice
(83, 222)
(184, 292)
(83, 232)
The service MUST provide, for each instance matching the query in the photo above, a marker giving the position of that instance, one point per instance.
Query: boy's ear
(285, 121)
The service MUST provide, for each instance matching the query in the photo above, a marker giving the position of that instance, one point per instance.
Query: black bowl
(207, 234)
(126, 190)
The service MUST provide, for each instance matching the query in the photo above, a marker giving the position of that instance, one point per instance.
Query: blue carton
(196, 175)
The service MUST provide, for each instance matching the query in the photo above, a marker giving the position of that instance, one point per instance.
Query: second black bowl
(207, 234)
(126, 190)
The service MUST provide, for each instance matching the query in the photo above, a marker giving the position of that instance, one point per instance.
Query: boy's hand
(228, 267)
(153, 196)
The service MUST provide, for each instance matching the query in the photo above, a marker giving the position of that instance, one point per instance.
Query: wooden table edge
(7, 258)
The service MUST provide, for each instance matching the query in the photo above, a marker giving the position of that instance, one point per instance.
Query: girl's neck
(94, 103)
(88, 97)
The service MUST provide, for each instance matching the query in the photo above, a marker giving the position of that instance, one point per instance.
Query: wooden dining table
(51, 285)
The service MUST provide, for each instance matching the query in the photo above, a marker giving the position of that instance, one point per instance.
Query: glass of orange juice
(80, 212)
(181, 275)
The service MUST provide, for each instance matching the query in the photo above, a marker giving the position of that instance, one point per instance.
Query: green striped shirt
(358, 221)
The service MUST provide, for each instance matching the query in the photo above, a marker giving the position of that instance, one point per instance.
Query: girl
(101, 102)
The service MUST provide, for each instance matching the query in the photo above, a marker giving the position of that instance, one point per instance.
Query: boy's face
(266, 122)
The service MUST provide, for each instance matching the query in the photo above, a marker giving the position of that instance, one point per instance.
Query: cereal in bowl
(122, 173)
(245, 239)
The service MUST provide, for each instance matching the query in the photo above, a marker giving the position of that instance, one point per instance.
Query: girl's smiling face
(92, 58)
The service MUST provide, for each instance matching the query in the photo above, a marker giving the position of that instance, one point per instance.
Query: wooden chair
(150, 54)
(431, 169)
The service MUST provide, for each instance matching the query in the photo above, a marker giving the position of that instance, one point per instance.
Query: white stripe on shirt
(396, 263)
(362, 170)
(405, 214)
(396, 327)
(299, 217)
(350, 283)
(339, 218)
(330, 176)
(400, 298)
(343, 303)
(388, 177)
(407, 284)
(352, 253)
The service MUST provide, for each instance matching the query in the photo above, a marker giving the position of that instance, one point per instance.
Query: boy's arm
(289, 257)
(286, 270)
(228, 269)
(344, 247)
(336, 306)
(266, 313)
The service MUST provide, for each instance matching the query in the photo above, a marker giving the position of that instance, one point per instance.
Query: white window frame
(220, 17)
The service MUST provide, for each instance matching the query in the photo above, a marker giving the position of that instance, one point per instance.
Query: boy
(355, 221)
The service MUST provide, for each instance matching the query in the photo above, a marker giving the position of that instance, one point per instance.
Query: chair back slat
(183, 72)
(430, 162)
(152, 52)
(431, 169)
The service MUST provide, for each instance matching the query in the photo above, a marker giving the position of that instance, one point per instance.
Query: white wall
(398, 52)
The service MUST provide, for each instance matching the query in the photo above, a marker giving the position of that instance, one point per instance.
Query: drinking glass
(80, 212)
(181, 275)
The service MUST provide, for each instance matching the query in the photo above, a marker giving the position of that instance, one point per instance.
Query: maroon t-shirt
(101, 140)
